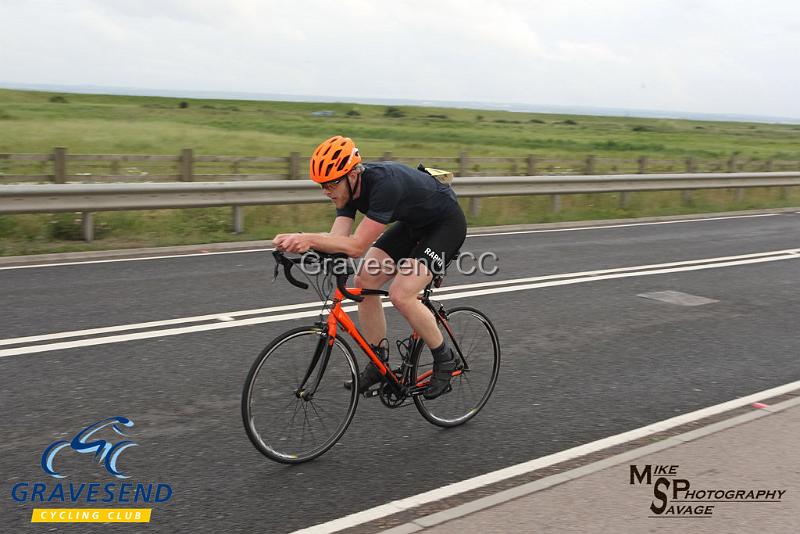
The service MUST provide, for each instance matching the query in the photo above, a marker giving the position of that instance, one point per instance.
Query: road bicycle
(294, 404)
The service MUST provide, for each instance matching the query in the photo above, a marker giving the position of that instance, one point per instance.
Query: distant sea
(530, 108)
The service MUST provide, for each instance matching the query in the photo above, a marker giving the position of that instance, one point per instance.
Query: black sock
(442, 352)
(380, 351)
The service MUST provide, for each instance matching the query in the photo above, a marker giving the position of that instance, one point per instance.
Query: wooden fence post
(463, 163)
(463, 170)
(770, 164)
(642, 164)
(59, 165)
(589, 169)
(187, 163)
(387, 156)
(731, 167)
(531, 165)
(294, 165)
(686, 195)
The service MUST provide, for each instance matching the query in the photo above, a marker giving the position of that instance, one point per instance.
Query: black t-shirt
(392, 191)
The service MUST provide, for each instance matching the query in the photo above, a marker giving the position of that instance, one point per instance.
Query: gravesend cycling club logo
(677, 497)
(104, 447)
(103, 450)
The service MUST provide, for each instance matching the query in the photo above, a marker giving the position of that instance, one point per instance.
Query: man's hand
(298, 243)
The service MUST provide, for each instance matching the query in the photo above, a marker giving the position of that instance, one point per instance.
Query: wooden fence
(63, 167)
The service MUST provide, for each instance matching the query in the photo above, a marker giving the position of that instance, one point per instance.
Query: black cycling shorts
(434, 245)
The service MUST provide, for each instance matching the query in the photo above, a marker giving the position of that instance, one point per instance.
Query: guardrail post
(187, 162)
(59, 165)
(294, 165)
(555, 203)
(238, 220)
(589, 169)
(624, 199)
(642, 164)
(531, 165)
(87, 225)
(387, 156)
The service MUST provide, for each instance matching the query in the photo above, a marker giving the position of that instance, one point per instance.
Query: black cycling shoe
(369, 376)
(439, 383)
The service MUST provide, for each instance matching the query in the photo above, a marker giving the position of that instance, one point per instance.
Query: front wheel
(471, 334)
(293, 404)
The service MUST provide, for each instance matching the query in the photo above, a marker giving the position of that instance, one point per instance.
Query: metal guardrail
(88, 198)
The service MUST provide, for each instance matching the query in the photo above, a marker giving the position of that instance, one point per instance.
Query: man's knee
(402, 296)
(365, 280)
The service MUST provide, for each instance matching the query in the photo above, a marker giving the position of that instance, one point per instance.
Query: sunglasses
(330, 186)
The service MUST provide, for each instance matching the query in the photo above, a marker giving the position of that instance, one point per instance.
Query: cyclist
(429, 228)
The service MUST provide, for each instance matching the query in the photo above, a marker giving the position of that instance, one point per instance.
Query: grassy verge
(99, 124)
(35, 234)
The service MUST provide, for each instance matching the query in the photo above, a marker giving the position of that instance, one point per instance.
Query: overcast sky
(720, 56)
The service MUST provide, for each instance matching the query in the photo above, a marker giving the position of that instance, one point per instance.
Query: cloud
(693, 55)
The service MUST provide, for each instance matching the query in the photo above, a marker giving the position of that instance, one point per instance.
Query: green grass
(95, 124)
(99, 124)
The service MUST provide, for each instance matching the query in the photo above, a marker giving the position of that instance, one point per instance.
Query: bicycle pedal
(371, 393)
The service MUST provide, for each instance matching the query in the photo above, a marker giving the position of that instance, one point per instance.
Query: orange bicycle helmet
(333, 159)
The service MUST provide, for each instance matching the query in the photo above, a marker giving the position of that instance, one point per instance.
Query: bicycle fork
(321, 352)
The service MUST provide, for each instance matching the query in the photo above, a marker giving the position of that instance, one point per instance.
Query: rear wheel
(473, 336)
(293, 424)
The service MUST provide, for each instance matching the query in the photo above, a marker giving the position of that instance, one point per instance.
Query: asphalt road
(581, 361)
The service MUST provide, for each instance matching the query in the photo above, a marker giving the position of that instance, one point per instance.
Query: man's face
(337, 193)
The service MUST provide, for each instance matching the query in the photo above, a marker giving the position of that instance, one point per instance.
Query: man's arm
(342, 226)
(353, 245)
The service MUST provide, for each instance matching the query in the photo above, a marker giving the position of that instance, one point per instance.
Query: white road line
(32, 349)
(154, 324)
(116, 260)
(621, 269)
(450, 490)
(599, 227)
(440, 293)
(623, 225)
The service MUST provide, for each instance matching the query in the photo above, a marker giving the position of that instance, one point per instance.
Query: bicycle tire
(477, 337)
(270, 394)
